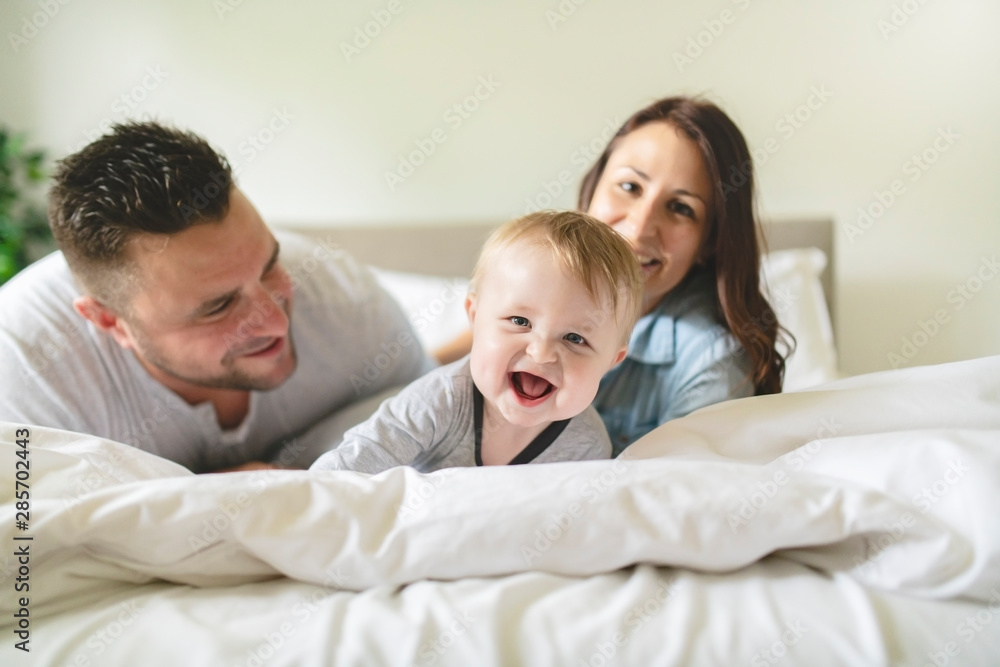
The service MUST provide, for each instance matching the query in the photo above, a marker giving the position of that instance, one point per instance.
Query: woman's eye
(519, 321)
(681, 208)
(574, 338)
(629, 186)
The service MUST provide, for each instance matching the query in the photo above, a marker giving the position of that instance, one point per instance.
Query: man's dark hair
(140, 178)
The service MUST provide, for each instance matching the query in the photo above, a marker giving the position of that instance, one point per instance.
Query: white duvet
(855, 523)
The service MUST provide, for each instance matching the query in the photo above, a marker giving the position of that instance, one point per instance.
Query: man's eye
(274, 270)
(218, 310)
(575, 338)
(519, 321)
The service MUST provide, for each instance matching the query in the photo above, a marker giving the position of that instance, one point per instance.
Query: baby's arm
(584, 439)
(403, 428)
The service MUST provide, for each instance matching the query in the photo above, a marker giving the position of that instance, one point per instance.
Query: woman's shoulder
(686, 320)
(697, 323)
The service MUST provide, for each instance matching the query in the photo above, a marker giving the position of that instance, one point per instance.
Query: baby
(552, 302)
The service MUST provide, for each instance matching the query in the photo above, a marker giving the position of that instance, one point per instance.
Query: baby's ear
(620, 356)
(470, 307)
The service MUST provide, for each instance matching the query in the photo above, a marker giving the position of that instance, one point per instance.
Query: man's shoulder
(53, 349)
(349, 332)
(303, 256)
(320, 269)
(40, 297)
(48, 274)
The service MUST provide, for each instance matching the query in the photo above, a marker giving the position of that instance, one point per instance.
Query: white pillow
(435, 306)
(791, 282)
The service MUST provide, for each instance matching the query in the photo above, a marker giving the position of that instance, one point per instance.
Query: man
(175, 321)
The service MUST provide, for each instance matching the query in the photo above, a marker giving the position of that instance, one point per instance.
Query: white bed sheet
(773, 612)
(850, 524)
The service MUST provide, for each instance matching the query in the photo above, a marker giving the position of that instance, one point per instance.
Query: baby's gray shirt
(430, 425)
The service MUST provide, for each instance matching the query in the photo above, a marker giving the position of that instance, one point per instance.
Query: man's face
(213, 306)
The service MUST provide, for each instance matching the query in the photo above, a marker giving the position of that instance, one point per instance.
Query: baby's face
(541, 343)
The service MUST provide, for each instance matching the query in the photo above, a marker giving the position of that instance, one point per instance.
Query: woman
(676, 180)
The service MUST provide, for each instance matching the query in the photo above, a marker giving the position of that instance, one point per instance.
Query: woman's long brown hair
(732, 243)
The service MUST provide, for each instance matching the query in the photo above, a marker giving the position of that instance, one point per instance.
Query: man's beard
(233, 378)
(230, 378)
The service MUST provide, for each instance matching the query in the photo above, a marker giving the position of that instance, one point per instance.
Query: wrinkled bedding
(851, 523)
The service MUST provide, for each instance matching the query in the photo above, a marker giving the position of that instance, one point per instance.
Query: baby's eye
(574, 338)
(519, 321)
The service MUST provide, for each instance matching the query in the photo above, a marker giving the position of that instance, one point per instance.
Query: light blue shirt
(681, 357)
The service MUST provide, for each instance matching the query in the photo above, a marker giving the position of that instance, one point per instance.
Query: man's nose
(267, 316)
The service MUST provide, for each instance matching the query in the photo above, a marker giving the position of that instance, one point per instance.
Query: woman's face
(655, 191)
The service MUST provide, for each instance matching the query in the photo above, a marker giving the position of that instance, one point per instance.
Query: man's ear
(104, 318)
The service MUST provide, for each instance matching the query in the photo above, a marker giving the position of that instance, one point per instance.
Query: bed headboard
(451, 250)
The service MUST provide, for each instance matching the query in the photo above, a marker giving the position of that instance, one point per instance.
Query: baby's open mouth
(530, 386)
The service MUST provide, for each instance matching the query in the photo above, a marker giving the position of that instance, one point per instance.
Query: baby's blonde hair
(589, 250)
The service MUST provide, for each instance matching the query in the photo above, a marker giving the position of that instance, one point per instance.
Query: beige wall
(887, 81)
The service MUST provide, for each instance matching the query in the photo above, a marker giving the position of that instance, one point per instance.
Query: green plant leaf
(8, 266)
(23, 224)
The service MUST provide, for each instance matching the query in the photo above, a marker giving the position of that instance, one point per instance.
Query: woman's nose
(638, 222)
